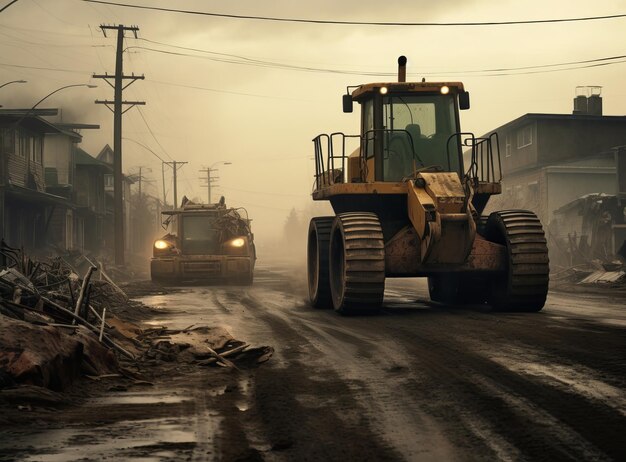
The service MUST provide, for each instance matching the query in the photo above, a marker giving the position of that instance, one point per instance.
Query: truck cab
(207, 242)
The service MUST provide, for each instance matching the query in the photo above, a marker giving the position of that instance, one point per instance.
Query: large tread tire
(317, 262)
(524, 285)
(357, 263)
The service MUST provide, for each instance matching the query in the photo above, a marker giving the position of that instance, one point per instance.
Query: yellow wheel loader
(409, 202)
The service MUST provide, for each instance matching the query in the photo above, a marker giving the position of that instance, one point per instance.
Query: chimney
(588, 101)
(402, 69)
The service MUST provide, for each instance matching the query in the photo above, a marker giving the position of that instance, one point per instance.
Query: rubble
(56, 325)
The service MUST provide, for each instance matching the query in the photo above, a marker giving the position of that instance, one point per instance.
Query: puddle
(139, 398)
(140, 440)
(244, 387)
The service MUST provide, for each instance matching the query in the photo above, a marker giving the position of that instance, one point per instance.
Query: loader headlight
(444, 90)
(161, 244)
(383, 90)
(237, 242)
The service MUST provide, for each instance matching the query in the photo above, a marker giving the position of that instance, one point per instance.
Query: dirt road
(417, 382)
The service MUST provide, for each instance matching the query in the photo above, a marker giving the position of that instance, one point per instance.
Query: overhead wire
(356, 23)
(152, 133)
(496, 72)
(243, 60)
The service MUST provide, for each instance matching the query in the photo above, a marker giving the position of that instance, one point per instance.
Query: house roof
(572, 117)
(34, 123)
(83, 158)
(37, 111)
(105, 150)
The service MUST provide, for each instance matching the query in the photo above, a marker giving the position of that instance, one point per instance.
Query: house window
(19, 142)
(35, 150)
(25, 146)
(524, 136)
(108, 181)
(507, 145)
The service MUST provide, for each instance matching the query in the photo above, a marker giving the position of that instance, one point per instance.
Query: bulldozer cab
(408, 127)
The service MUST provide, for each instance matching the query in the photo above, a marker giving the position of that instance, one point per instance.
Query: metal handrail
(485, 163)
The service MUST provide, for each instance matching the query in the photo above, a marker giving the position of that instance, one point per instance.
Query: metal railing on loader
(330, 159)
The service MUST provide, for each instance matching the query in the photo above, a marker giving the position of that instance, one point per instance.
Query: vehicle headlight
(161, 244)
(444, 90)
(237, 242)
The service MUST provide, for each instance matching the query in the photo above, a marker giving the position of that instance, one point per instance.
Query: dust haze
(204, 110)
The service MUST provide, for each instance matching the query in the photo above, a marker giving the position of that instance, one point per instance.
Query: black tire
(459, 288)
(317, 262)
(524, 285)
(444, 288)
(357, 263)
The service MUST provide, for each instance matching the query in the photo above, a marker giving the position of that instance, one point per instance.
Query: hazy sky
(207, 107)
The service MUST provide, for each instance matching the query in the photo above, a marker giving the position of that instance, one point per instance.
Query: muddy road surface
(417, 382)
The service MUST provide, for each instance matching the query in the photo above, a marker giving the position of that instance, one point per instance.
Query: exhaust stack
(402, 69)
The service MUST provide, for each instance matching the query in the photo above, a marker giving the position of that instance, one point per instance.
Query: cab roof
(406, 87)
(197, 208)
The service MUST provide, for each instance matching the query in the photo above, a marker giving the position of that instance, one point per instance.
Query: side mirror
(347, 103)
(464, 102)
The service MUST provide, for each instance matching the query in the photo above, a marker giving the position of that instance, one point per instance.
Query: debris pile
(53, 323)
(56, 325)
(596, 273)
(200, 345)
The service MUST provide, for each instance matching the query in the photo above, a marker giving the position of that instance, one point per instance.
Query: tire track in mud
(308, 413)
(350, 365)
(542, 422)
(418, 382)
(529, 416)
(593, 424)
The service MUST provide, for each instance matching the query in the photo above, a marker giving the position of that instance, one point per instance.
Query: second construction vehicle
(206, 242)
(409, 202)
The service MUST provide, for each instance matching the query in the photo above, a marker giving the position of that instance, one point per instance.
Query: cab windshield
(199, 235)
(416, 130)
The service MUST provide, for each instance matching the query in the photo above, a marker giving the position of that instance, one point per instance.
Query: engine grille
(202, 267)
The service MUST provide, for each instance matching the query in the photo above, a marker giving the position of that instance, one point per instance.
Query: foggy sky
(263, 119)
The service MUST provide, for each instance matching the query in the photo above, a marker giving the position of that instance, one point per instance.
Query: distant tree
(292, 226)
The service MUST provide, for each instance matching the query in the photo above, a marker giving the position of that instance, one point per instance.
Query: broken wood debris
(72, 326)
(49, 294)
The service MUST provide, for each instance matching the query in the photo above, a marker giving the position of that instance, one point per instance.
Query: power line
(228, 92)
(243, 60)
(146, 147)
(152, 133)
(357, 23)
(55, 69)
(44, 31)
(599, 62)
(8, 5)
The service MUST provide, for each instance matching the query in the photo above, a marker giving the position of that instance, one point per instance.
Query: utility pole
(118, 103)
(209, 181)
(175, 165)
